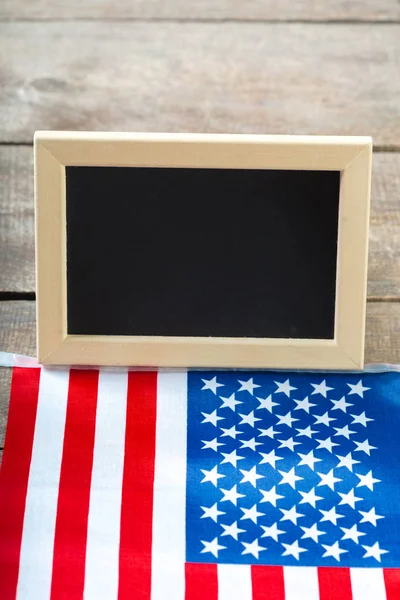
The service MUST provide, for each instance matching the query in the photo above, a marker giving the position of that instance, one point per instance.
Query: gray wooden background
(260, 66)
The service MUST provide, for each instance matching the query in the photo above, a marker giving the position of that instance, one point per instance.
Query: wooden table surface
(257, 66)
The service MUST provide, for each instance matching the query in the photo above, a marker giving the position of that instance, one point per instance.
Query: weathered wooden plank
(382, 340)
(384, 238)
(17, 223)
(17, 252)
(364, 10)
(229, 77)
(5, 381)
(18, 332)
(18, 327)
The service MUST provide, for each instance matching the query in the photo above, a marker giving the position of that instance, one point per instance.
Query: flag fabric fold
(212, 485)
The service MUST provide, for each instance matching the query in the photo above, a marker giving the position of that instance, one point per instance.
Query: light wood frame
(349, 155)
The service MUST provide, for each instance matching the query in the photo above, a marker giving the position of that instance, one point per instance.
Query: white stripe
(234, 581)
(301, 583)
(367, 584)
(36, 559)
(169, 504)
(102, 551)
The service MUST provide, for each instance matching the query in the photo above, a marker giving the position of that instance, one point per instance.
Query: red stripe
(267, 583)
(74, 488)
(14, 474)
(334, 583)
(201, 581)
(137, 488)
(392, 583)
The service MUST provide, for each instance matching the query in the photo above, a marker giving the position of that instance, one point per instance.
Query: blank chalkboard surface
(201, 252)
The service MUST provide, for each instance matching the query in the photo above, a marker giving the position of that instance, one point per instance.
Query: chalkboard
(155, 251)
(201, 250)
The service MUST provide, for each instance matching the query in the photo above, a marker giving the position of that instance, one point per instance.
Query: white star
(290, 443)
(232, 495)
(211, 513)
(357, 389)
(250, 444)
(328, 479)
(308, 459)
(307, 432)
(248, 386)
(211, 476)
(211, 418)
(232, 530)
(270, 432)
(286, 419)
(272, 531)
(361, 419)
(231, 457)
(290, 515)
(251, 513)
(290, 478)
(370, 517)
(321, 388)
(323, 419)
(211, 444)
(310, 497)
(284, 388)
(251, 476)
(249, 419)
(293, 549)
(341, 404)
(331, 515)
(271, 496)
(270, 458)
(266, 403)
(231, 432)
(211, 384)
(304, 404)
(312, 532)
(326, 444)
(252, 548)
(347, 461)
(349, 498)
(352, 533)
(230, 402)
(374, 551)
(367, 480)
(212, 547)
(335, 551)
(364, 446)
(344, 431)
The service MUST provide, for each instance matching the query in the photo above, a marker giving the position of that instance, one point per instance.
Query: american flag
(201, 485)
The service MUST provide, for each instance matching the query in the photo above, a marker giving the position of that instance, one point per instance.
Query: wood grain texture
(17, 251)
(18, 327)
(5, 382)
(219, 77)
(382, 339)
(384, 236)
(17, 267)
(18, 335)
(365, 10)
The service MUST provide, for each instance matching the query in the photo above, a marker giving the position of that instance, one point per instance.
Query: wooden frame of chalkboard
(56, 151)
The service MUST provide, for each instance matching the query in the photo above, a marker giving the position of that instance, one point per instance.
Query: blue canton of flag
(293, 469)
